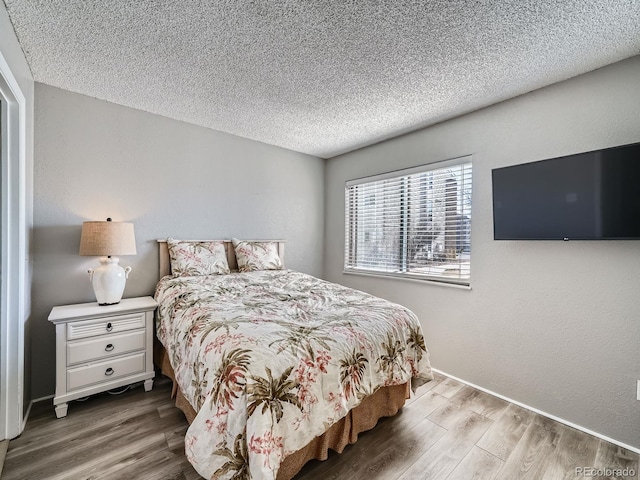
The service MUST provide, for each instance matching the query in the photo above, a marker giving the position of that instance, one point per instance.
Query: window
(411, 223)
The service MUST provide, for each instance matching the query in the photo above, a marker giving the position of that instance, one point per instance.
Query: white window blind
(415, 223)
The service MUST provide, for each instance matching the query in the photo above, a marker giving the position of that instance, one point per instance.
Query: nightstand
(102, 347)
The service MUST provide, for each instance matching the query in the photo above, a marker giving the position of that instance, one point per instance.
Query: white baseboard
(35, 400)
(4, 445)
(42, 399)
(544, 414)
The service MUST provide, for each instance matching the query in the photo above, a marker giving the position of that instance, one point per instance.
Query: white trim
(26, 415)
(12, 253)
(42, 399)
(407, 276)
(544, 414)
(410, 171)
(31, 404)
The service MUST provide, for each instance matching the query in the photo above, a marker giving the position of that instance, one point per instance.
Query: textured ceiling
(320, 77)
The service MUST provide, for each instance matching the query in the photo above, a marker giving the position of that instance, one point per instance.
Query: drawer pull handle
(109, 347)
(108, 371)
(109, 327)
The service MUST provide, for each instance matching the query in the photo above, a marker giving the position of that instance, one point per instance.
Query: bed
(273, 367)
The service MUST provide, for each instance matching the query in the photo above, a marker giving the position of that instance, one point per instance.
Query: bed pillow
(252, 256)
(197, 258)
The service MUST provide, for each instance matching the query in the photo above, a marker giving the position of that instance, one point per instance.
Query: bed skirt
(385, 402)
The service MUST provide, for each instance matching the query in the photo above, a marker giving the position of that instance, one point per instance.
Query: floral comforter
(271, 359)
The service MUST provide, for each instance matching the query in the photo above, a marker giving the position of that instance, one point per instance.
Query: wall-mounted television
(587, 196)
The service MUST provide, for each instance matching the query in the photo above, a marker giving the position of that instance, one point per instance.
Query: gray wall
(13, 55)
(94, 159)
(554, 325)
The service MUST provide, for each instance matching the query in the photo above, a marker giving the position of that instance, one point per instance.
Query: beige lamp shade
(107, 238)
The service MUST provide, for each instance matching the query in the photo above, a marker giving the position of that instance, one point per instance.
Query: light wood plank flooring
(447, 431)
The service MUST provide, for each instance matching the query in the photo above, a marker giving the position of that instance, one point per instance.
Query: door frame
(13, 253)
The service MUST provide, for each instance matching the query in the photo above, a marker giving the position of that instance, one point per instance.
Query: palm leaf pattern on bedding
(272, 393)
(252, 256)
(199, 384)
(203, 325)
(352, 370)
(237, 460)
(271, 358)
(393, 358)
(197, 258)
(301, 338)
(416, 342)
(230, 378)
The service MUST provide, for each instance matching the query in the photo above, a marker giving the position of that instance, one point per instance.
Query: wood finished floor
(447, 431)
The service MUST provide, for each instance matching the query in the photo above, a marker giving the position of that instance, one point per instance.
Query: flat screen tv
(587, 196)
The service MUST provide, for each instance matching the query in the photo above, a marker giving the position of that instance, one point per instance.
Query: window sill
(407, 277)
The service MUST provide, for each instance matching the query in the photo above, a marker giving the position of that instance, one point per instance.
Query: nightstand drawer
(105, 346)
(78, 377)
(101, 326)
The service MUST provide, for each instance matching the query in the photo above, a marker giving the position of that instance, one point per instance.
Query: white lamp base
(108, 280)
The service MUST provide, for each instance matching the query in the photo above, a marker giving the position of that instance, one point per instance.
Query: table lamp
(107, 239)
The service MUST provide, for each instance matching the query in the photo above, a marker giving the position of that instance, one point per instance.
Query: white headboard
(165, 261)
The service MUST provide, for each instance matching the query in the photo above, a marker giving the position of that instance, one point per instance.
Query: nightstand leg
(61, 410)
(148, 385)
